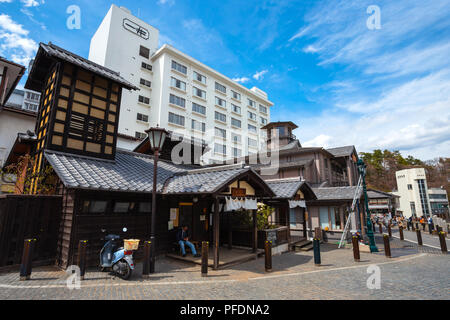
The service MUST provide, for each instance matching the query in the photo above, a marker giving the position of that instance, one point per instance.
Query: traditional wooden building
(105, 189)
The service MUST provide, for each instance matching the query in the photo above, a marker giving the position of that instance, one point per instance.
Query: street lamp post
(369, 231)
(156, 137)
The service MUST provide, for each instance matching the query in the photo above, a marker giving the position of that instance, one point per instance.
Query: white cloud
(168, 2)
(241, 80)
(393, 86)
(413, 118)
(7, 24)
(322, 140)
(14, 41)
(260, 74)
(5, 1)
(310, 49)
(32, 3)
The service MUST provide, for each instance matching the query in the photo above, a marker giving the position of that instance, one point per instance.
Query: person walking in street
(409, 222)
(422, 222)
(430, 225)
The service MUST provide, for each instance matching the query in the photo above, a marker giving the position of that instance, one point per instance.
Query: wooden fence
(23, 217)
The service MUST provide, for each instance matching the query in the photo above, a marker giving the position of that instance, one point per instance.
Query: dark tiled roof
(133, 172)
(65, 55)
(285, 188)
(346, 193)
(335, 193)
(341, 151)
(206, 180)
(129, 172)
(376, 194)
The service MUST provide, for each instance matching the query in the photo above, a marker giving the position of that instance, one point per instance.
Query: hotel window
(199, 77)
(221, 102)
(220, 148)
(263, 121)
(251, 116)
(31, 106)
(236, 109)
(236, 123)
(197, 125)
(262, 109)
(236, 137)
(199, 93)
(142, 117)
(144, 100)
(413, 208)
(252, 128)
(236, 95)
(423, 197)
(146, 66)
(221, 133)
(252, 142)
(237, 152)
(251, 103)
(179, 67)
(144, 52)
(140, 135)
(146, 83)
(174, 82)
(198, 108)
(33, 96)
(221, 88)
(220, 116)
(176, 119)
(177, 101)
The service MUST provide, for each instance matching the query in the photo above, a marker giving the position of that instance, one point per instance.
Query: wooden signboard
(238, 192)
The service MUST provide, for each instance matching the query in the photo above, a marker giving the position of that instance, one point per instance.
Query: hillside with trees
(382, 165)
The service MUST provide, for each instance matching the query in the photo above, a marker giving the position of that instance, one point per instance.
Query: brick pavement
(412, 273)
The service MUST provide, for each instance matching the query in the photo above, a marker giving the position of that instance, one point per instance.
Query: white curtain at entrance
(236, 204)
(297, 203)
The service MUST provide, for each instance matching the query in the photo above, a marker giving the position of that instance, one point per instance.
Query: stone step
(304, 245)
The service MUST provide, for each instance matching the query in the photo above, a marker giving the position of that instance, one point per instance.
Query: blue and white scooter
(117, 259)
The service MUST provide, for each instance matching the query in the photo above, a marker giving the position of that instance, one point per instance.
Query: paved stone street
(413, 273)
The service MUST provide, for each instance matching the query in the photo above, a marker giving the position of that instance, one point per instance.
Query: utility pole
(369, 230)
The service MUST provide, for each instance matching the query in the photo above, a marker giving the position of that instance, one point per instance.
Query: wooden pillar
(288, 222)
(304, 223)
(216, 221)
(230, 231)
(255, 232)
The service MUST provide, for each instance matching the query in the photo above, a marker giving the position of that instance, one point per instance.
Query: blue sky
(324, 69)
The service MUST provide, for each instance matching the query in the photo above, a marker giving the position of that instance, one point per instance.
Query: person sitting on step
(183, 240)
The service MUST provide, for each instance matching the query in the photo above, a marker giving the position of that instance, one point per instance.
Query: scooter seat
(112, 237)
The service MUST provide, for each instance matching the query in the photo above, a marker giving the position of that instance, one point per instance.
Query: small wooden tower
(79, 107)
(283, 130)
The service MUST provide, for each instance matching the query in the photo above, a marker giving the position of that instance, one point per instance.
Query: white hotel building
(177, 92)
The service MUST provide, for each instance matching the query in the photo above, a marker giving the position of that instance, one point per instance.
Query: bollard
(27, 258)
(400, 230)
(381, 228)
(442, 241)
(419, 237)
(318, 233)
(356, 254)
(268, 256)
(205, 250)
(316, 245)
(146, 262)
(387, 246)
(390, 231)
(81, 261)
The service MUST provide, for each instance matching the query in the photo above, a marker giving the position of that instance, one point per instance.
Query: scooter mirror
(125, 229)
